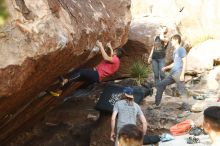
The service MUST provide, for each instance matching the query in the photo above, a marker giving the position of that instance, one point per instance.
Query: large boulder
(201, 57)
(44, 39)
(55, 36)
(140, 8)
(195, 19)
(210, 81)
(141, 37)
(213, 79)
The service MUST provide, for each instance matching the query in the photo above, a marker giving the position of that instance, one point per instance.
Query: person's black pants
(88, 75)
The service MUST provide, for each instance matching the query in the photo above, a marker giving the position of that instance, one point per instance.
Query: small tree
(140, 71)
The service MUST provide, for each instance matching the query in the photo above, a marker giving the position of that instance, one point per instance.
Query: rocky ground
(77, 123)
(34, 52)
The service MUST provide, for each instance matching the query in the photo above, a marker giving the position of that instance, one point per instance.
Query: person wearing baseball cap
(127, 111)
(128, 92)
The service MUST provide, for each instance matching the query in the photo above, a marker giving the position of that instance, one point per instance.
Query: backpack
(113, 93)
(151, 139)
(181, 128)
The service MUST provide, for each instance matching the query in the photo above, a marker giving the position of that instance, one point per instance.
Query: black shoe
(148, 85)
(196, 131)
(199, 97)
(185, 107)
(156, 106)
(192, 140)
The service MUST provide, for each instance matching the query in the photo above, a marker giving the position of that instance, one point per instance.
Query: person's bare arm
(113, 119)
(167, 67)
(104, 54)
(110, 47)
(164, 38)
(150, 56)
(183, 69)
(144, 123)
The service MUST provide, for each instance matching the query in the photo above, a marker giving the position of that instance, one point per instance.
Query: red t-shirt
(106, 68)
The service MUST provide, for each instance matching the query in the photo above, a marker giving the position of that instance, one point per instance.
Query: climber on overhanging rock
(107, 67)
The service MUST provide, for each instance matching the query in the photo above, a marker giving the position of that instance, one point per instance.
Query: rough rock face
(140, 8)
(57, 28)
(201, 57)
(194, 18)
(70, 124)
(44, 39)
(213, 79)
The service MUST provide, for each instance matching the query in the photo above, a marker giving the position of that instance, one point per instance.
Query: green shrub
(201, 39)
(3, 12)
(140, 71)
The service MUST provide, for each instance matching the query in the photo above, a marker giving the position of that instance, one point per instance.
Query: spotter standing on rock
(157, 55)
(177, 71)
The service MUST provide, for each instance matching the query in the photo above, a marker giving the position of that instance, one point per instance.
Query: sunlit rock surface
(44, 39)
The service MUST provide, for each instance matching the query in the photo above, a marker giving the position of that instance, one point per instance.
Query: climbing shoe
(192, 140)
(184, 114)
(185, 107)
(54, 93)
(166, 137)
(196, 131)
(155, 106)
(199, 97)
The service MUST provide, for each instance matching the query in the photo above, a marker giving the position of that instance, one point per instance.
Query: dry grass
(3, 12)
(201, 39)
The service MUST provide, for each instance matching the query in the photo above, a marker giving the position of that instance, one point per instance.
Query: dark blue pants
(157, 65)
(168, 81)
